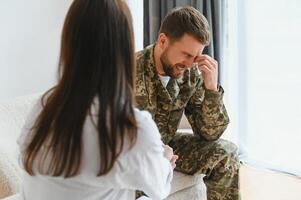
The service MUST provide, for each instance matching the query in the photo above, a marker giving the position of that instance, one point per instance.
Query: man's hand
(168, 154)
(209, 68)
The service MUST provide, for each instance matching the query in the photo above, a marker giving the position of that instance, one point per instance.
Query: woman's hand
(168, 154)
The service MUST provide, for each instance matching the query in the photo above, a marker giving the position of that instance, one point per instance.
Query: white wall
(29, 45)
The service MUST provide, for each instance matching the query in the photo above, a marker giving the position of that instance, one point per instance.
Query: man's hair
(188, 20)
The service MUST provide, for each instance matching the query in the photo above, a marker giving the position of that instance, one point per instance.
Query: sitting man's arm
(206, 112)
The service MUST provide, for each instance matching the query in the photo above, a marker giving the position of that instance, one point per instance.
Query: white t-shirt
(164, 80)
(141, 168)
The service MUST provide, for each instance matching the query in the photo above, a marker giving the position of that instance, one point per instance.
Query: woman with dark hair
(83, 139)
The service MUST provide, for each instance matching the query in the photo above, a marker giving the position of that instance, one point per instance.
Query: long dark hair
(96, 60)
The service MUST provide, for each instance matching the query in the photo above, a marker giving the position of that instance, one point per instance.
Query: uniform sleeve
(206, 113)
(147, 169)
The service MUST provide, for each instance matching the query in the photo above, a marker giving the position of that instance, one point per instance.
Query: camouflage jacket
(204, 109)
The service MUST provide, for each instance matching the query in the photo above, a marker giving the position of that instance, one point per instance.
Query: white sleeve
(147, 169)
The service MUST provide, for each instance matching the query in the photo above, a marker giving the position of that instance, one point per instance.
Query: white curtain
(263, 81)
(136, 7)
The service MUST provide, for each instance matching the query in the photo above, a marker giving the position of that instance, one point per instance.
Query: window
(136, 7)
(263, 81)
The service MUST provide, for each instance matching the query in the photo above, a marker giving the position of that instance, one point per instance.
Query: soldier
(174, 77)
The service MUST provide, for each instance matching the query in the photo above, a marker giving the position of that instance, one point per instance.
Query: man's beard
(166, 66)
(169, 69)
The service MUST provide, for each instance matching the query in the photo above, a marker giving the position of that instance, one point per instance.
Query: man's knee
(226, 147)
(226, 155)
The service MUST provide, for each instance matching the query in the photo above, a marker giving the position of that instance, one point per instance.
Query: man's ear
(162, 41)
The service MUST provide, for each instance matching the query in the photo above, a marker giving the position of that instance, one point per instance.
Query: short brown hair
(188, 20)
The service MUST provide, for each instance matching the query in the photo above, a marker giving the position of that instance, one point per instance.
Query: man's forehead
(192, 50)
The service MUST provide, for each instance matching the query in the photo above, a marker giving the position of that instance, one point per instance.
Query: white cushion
(182, 181)
(9, 175)
(14, 197)
(187, 187)
(184, 187)
(12, 119)
(196, 192)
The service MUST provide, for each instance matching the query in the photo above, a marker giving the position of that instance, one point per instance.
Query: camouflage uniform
(202, 152)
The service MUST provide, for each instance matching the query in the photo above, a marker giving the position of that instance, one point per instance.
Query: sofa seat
(12, 118)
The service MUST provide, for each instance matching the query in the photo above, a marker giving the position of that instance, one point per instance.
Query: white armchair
(12, 118)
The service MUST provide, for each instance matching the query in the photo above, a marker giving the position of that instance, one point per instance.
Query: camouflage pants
(216, 159)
